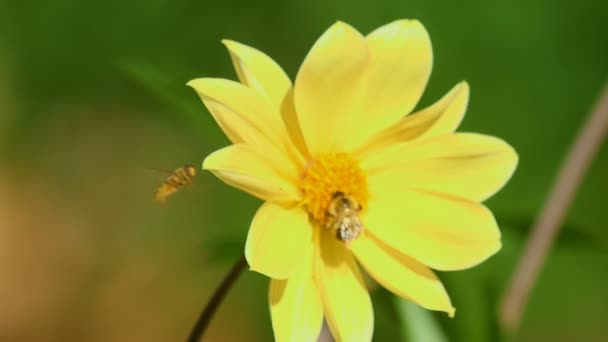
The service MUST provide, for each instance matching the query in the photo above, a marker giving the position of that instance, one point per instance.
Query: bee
(343, 215)
(176, 180)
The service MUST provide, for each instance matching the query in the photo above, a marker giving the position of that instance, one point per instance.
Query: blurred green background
(93, 97)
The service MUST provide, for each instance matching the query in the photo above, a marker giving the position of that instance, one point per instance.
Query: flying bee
(176, 180)
(343, 215)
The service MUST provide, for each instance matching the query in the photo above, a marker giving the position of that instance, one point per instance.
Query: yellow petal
(456, 103)
(432, 120)
(468, 165)
(279, 240)
(441, 231)
(258, 71)
(348, 308)
(295, 306)
(268, 176)
(401, 274)
(401, 63)
(242, 113)
(299, 151)
(329, 88)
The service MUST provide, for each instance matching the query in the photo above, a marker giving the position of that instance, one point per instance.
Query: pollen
(327, 176)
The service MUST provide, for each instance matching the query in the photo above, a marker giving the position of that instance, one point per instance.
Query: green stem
(220, 292)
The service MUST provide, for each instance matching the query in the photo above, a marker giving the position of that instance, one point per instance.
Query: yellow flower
(348, 178)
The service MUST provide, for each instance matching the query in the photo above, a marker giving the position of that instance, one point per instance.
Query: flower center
(335, 191)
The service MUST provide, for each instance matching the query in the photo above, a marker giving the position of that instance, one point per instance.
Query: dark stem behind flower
(220, 292)
(550, 219)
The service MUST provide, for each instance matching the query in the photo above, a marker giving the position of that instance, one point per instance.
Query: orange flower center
(329, 178)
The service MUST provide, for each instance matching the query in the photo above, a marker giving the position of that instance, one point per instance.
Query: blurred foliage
(92, 95)
(418, 323)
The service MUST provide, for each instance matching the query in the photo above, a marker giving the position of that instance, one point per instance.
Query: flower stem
(220, 292)
(547, 224)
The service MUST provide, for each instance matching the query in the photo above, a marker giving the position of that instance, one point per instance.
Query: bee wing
(159, 172)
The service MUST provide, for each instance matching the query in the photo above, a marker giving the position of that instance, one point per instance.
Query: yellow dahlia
(349, 179)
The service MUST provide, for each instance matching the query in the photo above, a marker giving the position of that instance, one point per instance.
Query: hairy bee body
(175, 181)
(343, 214)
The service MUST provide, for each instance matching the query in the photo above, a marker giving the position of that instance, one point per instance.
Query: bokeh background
(93, 100)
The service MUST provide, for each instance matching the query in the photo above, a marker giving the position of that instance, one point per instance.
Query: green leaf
(418, 324)
(170, 90)
(220, 249)
(387, 320)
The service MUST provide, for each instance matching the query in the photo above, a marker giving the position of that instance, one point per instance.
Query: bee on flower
(351, 178)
